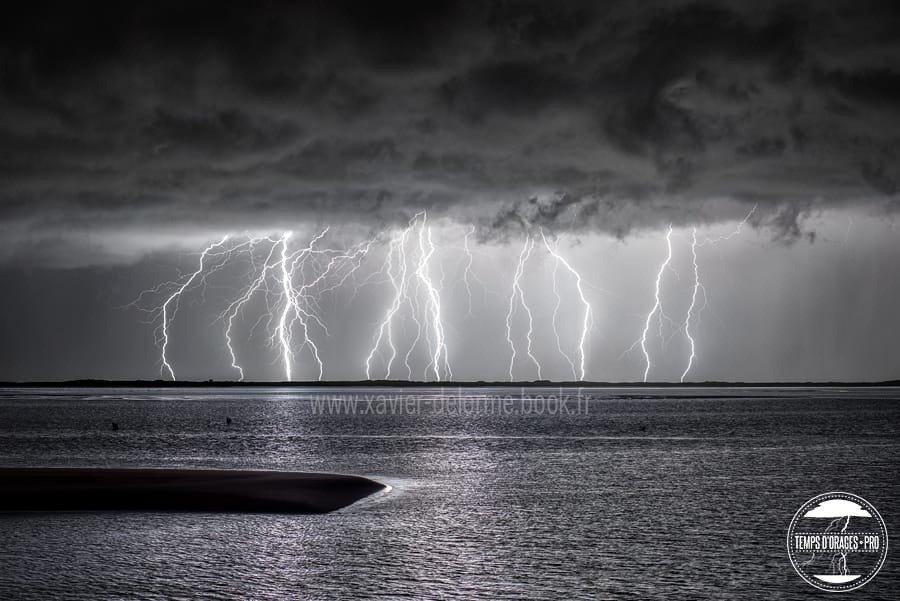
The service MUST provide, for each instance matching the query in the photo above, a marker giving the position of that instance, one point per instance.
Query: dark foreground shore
(211, 491)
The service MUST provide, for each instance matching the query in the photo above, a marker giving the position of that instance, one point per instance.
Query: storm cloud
(134, 134)
(171, 117)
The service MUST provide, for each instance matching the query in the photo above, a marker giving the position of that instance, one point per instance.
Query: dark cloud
(513, 87)
(876, 86)
(587, 116)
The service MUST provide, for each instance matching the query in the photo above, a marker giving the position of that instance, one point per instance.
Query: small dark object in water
(115, 427)
(227, 421)
(643, 428)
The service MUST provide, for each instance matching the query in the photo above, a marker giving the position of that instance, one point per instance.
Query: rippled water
(651, 494)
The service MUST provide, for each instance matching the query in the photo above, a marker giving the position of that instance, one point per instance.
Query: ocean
(495, 493)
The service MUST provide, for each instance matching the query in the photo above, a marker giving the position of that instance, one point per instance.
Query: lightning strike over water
(283, 330)
(690, 311)
(657, 306)
(554, 321)
(695, 307)
(518, 293)
(175, 297)
(468, 274)
(291, 282)
(587, 320)
(285, 286)
(416, 294)
(698, 287)
(398, 281)
(232, 311)
(426, 251)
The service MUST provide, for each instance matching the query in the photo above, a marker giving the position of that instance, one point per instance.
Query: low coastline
(179, 490)
(154, 384)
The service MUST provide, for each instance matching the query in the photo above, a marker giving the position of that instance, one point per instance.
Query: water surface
(643, 493)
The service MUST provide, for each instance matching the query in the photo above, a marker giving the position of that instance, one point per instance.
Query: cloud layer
(163, 119)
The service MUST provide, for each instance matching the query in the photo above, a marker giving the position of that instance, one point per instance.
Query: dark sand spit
(210, 491)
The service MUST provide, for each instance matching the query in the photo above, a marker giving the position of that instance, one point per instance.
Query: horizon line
(159, 383)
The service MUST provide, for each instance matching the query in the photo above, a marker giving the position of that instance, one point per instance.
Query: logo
(837, 542)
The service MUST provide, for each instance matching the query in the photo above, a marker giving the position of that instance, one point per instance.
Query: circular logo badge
(837, 541)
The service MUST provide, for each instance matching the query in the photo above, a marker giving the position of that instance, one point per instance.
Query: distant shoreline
(179, 490)
(421, 384)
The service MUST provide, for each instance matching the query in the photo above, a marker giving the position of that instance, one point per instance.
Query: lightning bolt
(299, 305)
(518, 293)
(470, 277)
(657, 305)
(397, 277)
(734, 233)
(292, 283)
(699, 287)
(467, 273)
(690, 311)
(174, 298)
(694, 309)
(409, 272)
(304, 299)
(283, 331)
(555, 319)
(231, 312)
(426, 248)
(847, 232)
(587, 319)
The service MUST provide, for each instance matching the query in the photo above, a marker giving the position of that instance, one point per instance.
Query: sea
(495, 493)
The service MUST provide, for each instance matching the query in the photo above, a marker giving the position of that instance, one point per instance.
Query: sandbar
(178, 490)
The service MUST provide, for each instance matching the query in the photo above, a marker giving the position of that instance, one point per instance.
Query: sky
(135, 135)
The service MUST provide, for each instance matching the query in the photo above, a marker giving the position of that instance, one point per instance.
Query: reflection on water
(651, 494)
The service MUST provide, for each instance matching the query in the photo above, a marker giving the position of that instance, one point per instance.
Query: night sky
(133, 135)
